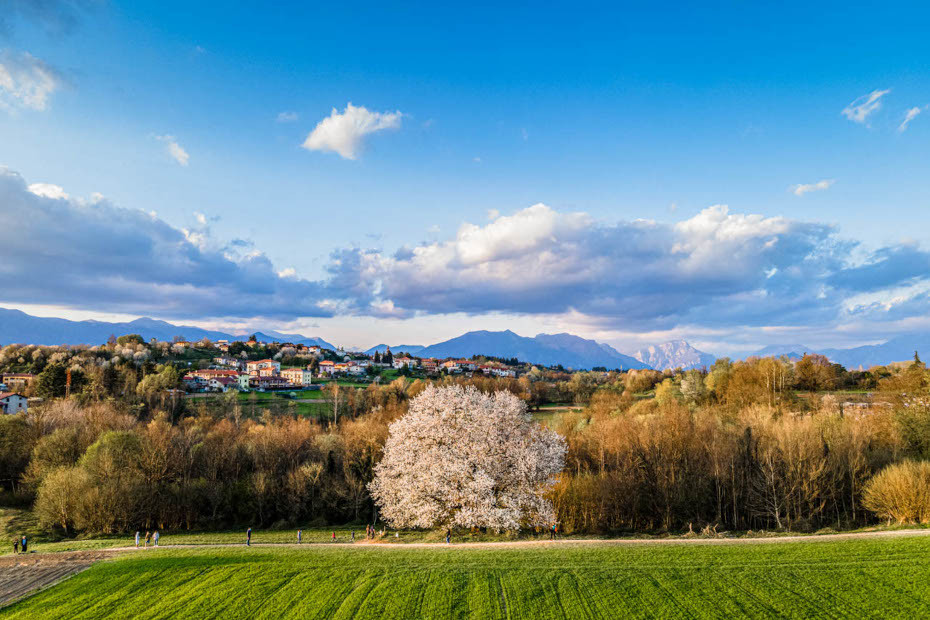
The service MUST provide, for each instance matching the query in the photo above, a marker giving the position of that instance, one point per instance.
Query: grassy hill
(887, 577)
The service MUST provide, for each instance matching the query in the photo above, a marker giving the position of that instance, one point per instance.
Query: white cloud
(805, 188)
(860, 109)
(287, 117)
(48, 190)
(175, 150)
(344, 133)
(25, 81)
(908, 117)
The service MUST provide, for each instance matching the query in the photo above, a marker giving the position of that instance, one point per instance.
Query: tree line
(734, 447)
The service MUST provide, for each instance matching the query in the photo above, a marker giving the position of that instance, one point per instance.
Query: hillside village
(206, 366)
(240, 373)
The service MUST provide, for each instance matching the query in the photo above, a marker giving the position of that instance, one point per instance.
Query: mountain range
(897, 349)
(17, 326)
(547, 349)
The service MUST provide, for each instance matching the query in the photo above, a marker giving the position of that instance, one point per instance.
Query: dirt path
(389, 544)
(22, 575)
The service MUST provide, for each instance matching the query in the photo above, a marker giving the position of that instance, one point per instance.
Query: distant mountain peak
(674, 354)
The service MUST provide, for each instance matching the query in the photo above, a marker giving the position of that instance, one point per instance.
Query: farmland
(818, 577)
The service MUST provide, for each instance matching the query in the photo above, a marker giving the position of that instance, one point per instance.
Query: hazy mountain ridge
(546, 349)
(897, 349)
(674, 354)
(777, 350)
(412, 349)
(17, 326)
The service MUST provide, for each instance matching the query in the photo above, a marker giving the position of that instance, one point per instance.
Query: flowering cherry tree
(462, 458)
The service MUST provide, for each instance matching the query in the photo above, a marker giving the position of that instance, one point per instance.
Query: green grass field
(865, 578)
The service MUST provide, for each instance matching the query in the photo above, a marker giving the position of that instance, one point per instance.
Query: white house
(11, 402)
(298, 376)
(356, 369)
(404, 362)
(256, 366)
(222, 384)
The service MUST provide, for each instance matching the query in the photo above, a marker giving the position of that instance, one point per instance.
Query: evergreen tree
(51, 382)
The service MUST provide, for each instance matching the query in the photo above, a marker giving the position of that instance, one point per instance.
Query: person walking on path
(24, 543)
(299, 533)
(137, 538)
(448, 536)
(353, 535)
(334, 535)
(15, 546)
(248, 537)
(155, 537)
(148, 537)
(552, 532)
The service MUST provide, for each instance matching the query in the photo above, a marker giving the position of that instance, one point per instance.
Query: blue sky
(622, 114)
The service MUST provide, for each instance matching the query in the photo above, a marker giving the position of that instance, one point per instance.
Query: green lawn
(870, 578)
(253, 403)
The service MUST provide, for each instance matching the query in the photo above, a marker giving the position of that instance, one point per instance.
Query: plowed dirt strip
(21, 575)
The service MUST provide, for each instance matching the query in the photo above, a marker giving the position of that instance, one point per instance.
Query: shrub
(900, 492)
(59, 501)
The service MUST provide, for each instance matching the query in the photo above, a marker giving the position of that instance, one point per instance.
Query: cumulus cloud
(101, 256)
(26, 81)
(345, 132)
(859, 110)
(714, 265)
(908, 117)
(175, 150)
(805, 188)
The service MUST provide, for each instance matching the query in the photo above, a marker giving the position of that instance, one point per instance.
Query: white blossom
(462, 458)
